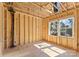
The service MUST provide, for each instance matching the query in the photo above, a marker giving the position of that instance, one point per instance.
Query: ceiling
(41, 9)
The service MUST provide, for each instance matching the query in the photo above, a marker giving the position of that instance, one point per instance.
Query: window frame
(49, 28)
(66, 28)
(58, 30)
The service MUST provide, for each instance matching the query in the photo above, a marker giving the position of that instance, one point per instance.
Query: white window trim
(49, 27)
(59, 27)
(72, 28)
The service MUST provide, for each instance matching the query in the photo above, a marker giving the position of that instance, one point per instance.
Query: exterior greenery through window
(53, 28)
(62, 27)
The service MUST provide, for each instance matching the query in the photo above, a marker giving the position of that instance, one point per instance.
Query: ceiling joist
(63, 6)
(43, 8)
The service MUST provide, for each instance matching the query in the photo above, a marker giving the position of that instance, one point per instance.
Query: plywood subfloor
(41, 49)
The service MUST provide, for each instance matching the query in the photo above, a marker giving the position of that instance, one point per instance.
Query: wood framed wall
(17, 29)
(26, 29)
(63, 41)
(29, 28)
(1, 29)
(78, 28)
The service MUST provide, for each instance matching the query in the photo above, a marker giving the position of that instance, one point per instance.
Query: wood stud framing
(30, 28)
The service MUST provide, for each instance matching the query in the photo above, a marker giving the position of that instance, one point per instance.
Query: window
(56, 6)
(66, 27)
(62, 27)
(53, 28)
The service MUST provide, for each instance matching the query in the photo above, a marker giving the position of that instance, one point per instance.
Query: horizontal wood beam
(43, 8)
(18, 9)
(21, 10)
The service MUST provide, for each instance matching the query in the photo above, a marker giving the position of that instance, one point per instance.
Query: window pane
(69, 27)
(69, 23)
(62, 33)
(56, 6)
(53, 28)
(62, 30)
(66, 27)
(63, 23)
(69, 32)
(62, 27)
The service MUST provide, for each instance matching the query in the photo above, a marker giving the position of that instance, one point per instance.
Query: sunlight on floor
(58, 50)
(50, 50)
(42, 45)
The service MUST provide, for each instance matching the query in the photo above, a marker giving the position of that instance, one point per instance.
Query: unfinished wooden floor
(40, 49)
